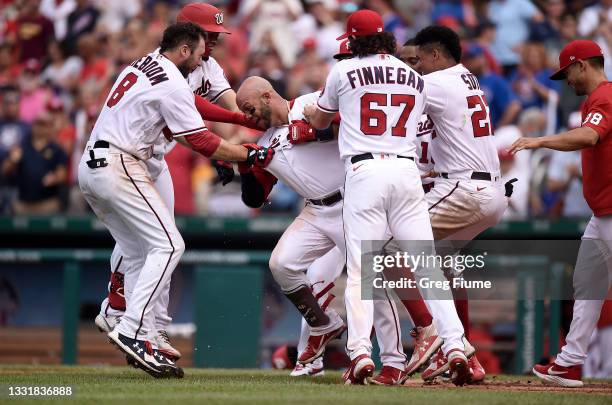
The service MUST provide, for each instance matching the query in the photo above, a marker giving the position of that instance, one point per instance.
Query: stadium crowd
(58, 59)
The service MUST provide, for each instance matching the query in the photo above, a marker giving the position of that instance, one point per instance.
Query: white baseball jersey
(424, 137)
(460, 113)
(380, 100)
(149, 94)
(208, 80)
(314, 169)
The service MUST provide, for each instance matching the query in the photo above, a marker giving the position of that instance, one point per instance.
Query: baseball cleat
(106, 323)
(145, 357)
(458, 367)
(477, 371)
(360, 371)
(558, 375)
(439, 363)
(390, 376)
(317, 343)
(165, 347)
(314, 369)
(426, 343)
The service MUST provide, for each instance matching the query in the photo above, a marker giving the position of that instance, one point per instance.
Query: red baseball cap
(580, 49)
(344, 50)
(210, 18)
(363, 22)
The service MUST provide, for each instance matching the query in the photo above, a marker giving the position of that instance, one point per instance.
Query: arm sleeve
(218, 81)
(435, 101)
(180, 114)
(212, 112)
(328, 100)
(597, 117)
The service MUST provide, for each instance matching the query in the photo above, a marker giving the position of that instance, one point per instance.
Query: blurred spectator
(531, 123)
(34, 32)
(182, 163)
(393, 21)
(96, 69)
(65, 133)
(58, 11)
(596, 22)
(38, 167)
(548, 31)
(8, 70)
(485, 36)
(81, 21)
(63, 71)
(115, 14)
(308, 75)
(531, 81)
(271, 26)
(460, 10)
(34, 95)
(325, 27)
(565, 179)
(12, 129)
(503, 104)
(512, 18)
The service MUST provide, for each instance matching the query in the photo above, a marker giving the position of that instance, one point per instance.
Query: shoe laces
(148, 347)
(164, 335)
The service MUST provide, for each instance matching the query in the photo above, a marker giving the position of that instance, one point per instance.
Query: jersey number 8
(124, 85)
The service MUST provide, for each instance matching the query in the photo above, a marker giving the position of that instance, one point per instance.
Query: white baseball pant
(129, 263)
(380, 194)
(315, 241)
(124, 198)
(595, 251)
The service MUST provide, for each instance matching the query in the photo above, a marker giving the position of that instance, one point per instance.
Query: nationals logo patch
(219, 18)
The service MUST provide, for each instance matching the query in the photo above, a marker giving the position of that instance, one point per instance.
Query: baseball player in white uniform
(207, 81)
(468, 196)
(150, 94)
(314, 241)
(381, 101)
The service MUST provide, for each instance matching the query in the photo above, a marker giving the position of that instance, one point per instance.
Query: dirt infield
(523, 385)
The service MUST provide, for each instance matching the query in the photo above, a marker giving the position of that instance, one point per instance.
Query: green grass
(122, 385)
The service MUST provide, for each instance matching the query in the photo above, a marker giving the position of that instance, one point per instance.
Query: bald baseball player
(149, 94)
(209, 85)
(381, 101)
(310, 254)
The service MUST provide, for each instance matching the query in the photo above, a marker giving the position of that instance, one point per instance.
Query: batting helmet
(210, 18)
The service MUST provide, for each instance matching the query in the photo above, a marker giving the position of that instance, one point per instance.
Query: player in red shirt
(582, 65)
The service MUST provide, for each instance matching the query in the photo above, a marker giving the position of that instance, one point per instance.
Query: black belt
(94, 163)
(101, 144)
(475, 176)
(368, 155)
(329, 200)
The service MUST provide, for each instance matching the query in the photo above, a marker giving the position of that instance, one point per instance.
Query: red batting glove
(301, 132)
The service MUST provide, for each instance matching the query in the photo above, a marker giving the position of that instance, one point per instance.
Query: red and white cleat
(477, 371)
(360, 371)
(390, 376)
(426, 343)
(555, 374)
(316, 344)
(458, 367)
(439, 363)
(314, 369)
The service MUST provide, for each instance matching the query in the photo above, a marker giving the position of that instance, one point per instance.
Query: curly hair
(373, 44)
